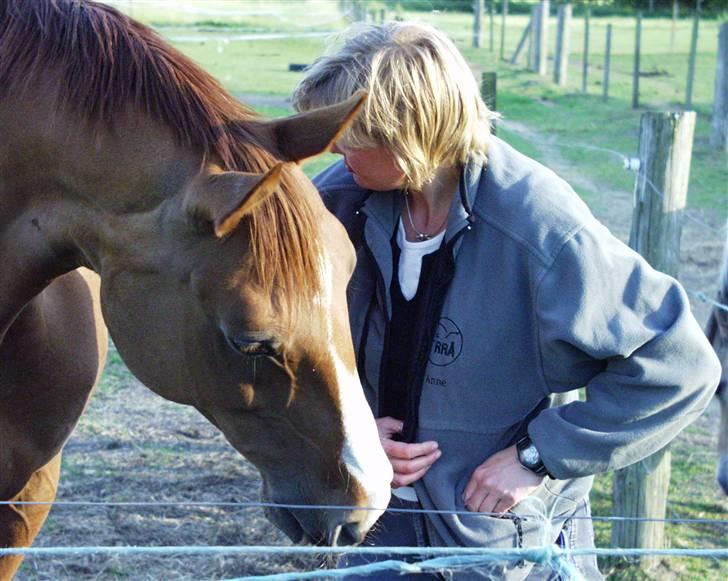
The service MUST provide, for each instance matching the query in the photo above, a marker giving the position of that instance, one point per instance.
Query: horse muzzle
(322, 527)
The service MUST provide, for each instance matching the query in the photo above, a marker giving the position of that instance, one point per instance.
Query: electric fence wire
(327, 507)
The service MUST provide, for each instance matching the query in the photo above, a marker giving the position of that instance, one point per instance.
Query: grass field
(249, 45)
(241, 44)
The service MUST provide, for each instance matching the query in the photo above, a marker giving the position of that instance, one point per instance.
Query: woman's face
(372, 168)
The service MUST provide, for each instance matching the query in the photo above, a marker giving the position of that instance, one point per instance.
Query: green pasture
(585, 131)
(242, 44)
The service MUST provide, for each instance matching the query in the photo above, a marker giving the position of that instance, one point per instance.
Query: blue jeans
(393, 529)
(400, 529)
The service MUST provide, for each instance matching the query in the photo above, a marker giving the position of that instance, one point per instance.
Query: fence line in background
(607, 63)
(585, 58)
(719, 123)
(693, 55)
(636, 69)
(477, 22)
(563, 45)
(504, 16)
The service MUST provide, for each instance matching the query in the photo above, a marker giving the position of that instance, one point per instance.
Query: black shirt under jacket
(409, 338)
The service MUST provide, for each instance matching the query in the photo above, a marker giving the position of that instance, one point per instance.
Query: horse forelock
(109, 62)
(286, 251)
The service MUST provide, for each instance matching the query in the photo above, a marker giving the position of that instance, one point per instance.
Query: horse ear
(226, 197)
(307, 134)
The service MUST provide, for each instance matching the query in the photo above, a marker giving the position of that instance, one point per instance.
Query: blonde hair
(423, 102)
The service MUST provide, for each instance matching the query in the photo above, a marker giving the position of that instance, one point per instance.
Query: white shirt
(410, 259)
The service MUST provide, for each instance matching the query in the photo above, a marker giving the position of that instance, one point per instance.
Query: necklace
(419, 236)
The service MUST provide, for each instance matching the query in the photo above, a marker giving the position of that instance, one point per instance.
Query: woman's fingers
(410, 461)
(405, 451)
(416, 464)
(407, 479)
(388, 426)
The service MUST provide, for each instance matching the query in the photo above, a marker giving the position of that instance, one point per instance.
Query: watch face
(530, 455)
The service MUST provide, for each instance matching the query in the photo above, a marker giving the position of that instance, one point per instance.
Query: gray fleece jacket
(544, 301)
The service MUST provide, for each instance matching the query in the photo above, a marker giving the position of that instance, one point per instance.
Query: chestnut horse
(717, 332)
(219, 274)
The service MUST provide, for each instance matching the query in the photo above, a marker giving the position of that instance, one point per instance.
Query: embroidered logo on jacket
(447, 344)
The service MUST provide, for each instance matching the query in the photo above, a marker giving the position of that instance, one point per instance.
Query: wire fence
(412, 560)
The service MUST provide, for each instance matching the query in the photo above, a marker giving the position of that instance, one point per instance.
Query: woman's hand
(409, 461)
(500, 483)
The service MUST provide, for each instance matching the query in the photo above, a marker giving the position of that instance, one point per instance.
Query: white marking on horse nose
(361, 452)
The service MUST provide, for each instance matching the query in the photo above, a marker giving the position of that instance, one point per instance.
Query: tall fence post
(543, 34)
(504, 16)
(607, 63)
(585, 63)
(477, 22)
(666, 142)
(636, 70)
(533, 37)
(491, 35)
(563, 45)
(693, 54)
(673, 28)
(488, 91)
(719, 123)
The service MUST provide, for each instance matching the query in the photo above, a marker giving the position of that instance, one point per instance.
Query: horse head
(233, 300)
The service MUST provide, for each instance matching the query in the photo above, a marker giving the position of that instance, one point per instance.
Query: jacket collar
(385, 207)
(383, 210)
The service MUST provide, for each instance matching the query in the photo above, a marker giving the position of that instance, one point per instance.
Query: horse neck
(69, 195)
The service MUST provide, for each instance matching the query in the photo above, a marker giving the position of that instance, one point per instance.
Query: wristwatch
(529, 457)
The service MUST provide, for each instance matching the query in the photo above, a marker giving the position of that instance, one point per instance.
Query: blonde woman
(485, 294)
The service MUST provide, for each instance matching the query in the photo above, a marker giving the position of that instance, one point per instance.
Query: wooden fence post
(477, 22)
(504, 15)
(666, 142)
(585, 63)
(488, 91)
(563, 45)
(719, 123)
(533, 37)
(673, 28)
(693, 54)
(607, 63)
(543, 34)
(636, 71)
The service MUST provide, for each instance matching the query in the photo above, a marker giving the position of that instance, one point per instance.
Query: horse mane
(108, 62)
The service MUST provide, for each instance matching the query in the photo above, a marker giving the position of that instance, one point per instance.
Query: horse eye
(254, 347)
